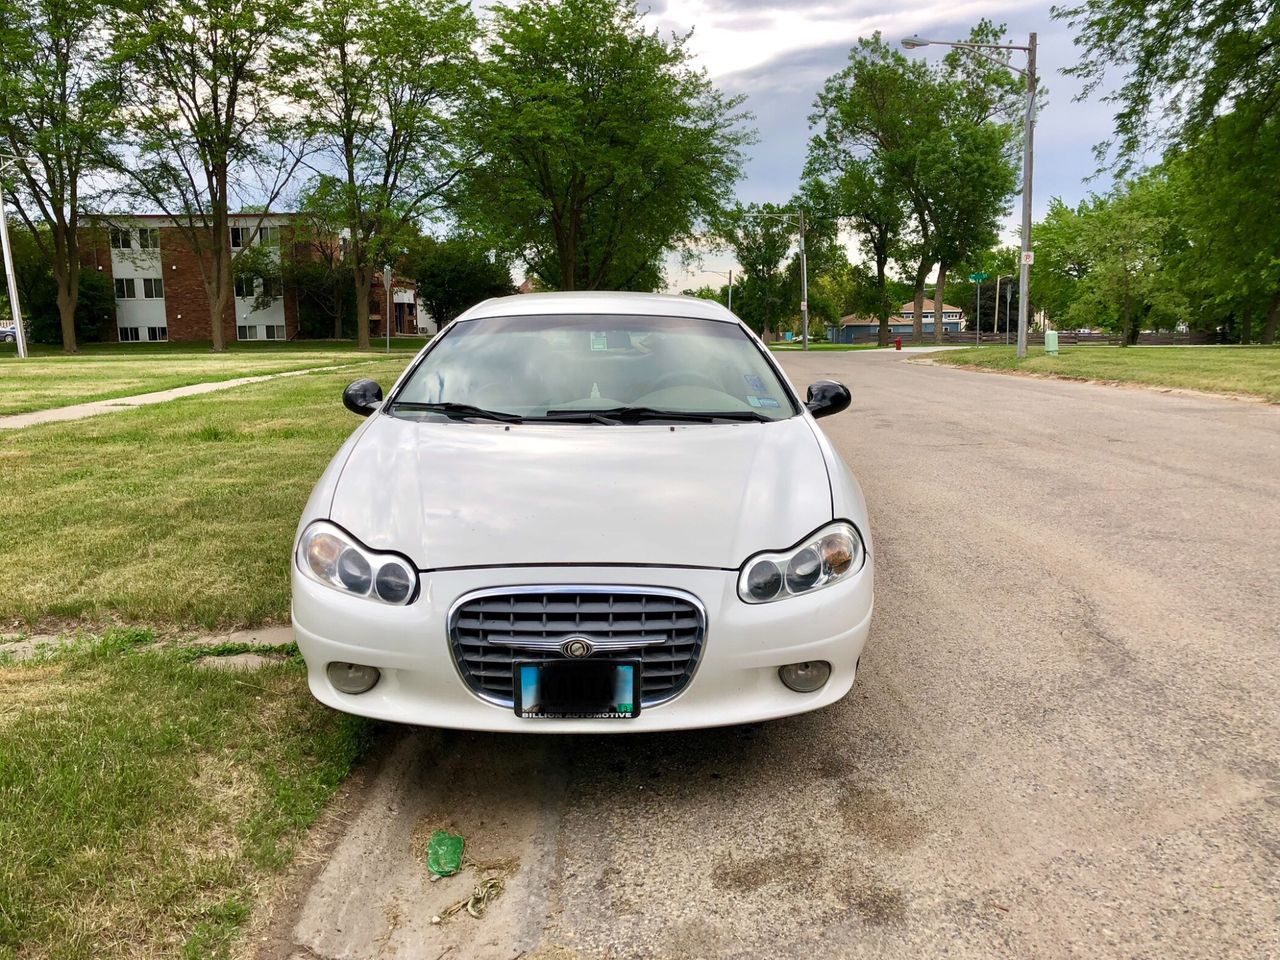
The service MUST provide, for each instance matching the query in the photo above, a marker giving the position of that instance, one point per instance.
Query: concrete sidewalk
(92, 409)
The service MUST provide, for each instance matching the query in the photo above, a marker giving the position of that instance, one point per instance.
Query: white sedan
(585, 513)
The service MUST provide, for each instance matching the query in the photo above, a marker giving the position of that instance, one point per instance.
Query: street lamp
(720, 273)
(914, 42)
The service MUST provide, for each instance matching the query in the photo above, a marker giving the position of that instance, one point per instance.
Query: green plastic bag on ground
(444, 853)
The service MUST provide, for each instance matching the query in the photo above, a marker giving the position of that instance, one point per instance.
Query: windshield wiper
(641, 414)
(460, 410)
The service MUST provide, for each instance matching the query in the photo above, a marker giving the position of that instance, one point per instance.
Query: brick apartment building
(160, 292)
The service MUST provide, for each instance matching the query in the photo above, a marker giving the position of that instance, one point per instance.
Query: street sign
(1028, 257)
(978, 277)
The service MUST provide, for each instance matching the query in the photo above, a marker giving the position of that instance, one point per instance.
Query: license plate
(577, 689)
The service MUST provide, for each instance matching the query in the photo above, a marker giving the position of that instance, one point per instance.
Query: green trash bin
(1051, 342)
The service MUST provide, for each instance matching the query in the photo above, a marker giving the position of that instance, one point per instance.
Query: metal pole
(804, 284)
(1024, 274)
(977, 321)
(18, 332)
(386, 307)
(1008, 295)
(995, 323)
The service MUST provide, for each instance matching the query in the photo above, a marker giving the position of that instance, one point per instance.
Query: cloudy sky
(779, 53)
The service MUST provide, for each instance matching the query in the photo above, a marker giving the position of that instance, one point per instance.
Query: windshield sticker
(754, 382)
(599, 340)
(763, 402)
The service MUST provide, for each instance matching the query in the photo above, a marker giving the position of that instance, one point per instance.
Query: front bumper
(736, 680)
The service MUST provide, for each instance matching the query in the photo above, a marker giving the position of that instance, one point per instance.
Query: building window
(244, 288)
(247, 333)
(274, 331)
(157, 333)
(149, 238)
(125, 288)
(121, 239)
(128, 334)
(153, 288)
(269, 235)
(272, 287)
(240, 237)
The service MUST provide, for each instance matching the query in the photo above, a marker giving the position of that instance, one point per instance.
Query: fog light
(352, 677)
(805, 677)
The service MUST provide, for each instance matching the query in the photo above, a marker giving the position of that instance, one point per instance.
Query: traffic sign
(1028, 257)
(978, 277)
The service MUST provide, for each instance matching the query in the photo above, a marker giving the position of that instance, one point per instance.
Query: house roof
(910, 307)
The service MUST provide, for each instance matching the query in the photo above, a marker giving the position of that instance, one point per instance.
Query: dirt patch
(877, 815)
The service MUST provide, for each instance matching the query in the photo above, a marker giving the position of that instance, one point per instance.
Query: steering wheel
(685, 378)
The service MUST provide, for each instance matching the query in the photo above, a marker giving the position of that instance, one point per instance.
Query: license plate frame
(545, 689)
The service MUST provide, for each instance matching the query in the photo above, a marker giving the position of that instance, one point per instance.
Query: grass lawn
(1251, 371)
(178, 514)
(49, 378)
(784, 345)
(146, 798)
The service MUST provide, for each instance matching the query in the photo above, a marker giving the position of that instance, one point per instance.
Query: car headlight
(826, 557)
(329, 555)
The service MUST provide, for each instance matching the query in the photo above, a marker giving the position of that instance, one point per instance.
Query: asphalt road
(1064, 740)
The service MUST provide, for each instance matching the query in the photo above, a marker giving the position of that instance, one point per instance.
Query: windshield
(596, 369)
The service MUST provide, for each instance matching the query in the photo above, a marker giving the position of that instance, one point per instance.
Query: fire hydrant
(897, 343)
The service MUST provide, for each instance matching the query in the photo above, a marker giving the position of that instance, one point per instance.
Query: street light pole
(1024, 276)
(804, 284)
(18, 332)
(1024, 273)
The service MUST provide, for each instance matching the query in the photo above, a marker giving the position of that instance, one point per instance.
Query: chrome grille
(663, 630)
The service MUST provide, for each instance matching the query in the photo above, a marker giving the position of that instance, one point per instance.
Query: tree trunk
(363, 279)
(938, 293)
(917, 318)
(883, 288)
(1246, 324)
(67, 316)
(1273, 321)
(1128, 321)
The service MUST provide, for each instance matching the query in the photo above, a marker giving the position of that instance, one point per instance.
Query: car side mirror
(827, 397)
(362, 397)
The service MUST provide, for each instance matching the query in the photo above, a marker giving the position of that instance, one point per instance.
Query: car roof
(600, 302)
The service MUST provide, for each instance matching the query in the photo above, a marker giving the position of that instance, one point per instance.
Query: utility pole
(1024, 273)
(804, 284)
(19, 333)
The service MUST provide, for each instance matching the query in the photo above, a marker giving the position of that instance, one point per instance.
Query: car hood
(459, 494)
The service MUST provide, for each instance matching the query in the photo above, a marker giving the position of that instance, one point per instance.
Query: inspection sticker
(763, 402)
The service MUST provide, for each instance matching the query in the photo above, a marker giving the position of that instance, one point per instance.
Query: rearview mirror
(827, 397)
(362, 397)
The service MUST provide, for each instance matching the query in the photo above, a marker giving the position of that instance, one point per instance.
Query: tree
(40, 295)
(1062, 258)
(454, 274)
(882, 109)
(58, 94)
(760, 236)
(1186, 62)
(600, 146)
(315, 267)
(204, 127)
(382, 84)
(1129, 239)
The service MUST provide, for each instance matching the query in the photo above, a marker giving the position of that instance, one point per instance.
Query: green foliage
(761, 237)
(381, 84)
(58, 94)
(1185, 63)
(455, 273)
(600, 146)
(95, 304)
